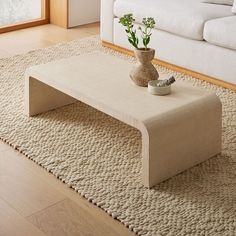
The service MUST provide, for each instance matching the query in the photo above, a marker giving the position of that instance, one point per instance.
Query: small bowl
(155, 90)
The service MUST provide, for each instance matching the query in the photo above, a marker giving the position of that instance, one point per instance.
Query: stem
(145, 30)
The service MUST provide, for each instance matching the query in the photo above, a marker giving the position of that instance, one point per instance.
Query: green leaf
(131, 41)
(144, 42)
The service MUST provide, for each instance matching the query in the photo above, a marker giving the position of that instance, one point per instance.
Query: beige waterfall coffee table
(178, 131)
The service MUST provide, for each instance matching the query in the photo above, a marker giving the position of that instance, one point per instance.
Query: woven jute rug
(100, 157)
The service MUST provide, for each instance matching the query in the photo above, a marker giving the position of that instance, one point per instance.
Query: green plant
(149, 23)
(127, 21)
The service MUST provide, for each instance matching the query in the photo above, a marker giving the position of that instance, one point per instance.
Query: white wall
(83, 12)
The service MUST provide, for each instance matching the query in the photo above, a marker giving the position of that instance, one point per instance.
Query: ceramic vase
(144, 71)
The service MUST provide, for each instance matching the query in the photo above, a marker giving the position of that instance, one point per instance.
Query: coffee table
(178, 131)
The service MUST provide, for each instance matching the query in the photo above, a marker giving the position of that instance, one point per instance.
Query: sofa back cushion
(221, 32)
(185, 18)
(222, 2)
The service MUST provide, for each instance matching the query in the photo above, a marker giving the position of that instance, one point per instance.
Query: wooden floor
(32, 201)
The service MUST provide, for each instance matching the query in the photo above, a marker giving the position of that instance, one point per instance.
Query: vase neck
(144, 56)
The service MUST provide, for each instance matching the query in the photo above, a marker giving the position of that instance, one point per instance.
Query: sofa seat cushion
(221, 32)
(185, 18)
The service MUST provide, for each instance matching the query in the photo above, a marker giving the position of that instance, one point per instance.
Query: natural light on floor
(17, 11)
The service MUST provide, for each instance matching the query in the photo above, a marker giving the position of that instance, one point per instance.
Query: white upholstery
(234, 7)
(106, 29)
(223, 2)
(221, 32)
(198, 56)
(181, 17)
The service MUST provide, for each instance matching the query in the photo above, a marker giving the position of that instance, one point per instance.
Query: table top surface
(102, 81)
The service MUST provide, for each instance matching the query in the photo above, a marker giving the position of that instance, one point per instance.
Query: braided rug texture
(100, 157)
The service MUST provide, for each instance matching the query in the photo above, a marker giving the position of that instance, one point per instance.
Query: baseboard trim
(175, 68)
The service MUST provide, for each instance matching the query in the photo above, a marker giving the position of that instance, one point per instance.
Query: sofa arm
(107, 18)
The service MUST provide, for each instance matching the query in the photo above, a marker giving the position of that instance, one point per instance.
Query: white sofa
(197, 36)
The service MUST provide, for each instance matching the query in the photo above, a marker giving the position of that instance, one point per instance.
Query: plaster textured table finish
(178, 131)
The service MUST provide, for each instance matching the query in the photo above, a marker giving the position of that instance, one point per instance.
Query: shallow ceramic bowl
(154, 89)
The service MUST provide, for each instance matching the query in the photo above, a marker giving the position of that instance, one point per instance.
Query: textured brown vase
(144, 71)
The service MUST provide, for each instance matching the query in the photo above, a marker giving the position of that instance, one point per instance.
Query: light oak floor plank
(13, 224)
(23, 190)
(4, 54)
(4, 146)
(68, 219)
(21, 46)
(22, 41)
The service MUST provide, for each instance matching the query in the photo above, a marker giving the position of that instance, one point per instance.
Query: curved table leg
(180, 139)
(40, 97)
